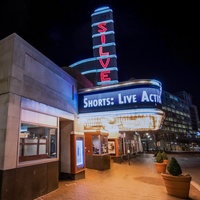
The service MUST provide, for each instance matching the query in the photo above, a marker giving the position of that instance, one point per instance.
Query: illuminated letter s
(102, 28)
(85, 103)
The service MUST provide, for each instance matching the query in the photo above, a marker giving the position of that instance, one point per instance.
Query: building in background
(180, 129)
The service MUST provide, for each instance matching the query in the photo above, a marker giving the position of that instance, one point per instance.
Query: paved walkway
(138, 181)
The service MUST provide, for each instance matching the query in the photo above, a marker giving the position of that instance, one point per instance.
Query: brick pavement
(139, 181)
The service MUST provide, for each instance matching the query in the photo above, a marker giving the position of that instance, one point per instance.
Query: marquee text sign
(143, 97)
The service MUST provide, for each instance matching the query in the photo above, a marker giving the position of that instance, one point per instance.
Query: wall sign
(142, 97)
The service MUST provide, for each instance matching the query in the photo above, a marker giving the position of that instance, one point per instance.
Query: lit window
(37, 142)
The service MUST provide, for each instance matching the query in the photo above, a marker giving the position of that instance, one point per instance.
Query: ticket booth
(96, 150)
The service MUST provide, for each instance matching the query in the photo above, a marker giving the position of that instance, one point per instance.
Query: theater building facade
(55, 122)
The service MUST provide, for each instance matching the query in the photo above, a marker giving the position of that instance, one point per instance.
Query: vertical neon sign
(104, 46)
(102, 68)
(104, 75)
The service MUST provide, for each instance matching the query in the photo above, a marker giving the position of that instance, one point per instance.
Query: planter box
(166, 161)
(160, 167)
(178, 186)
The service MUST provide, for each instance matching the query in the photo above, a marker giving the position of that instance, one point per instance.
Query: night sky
(154, 39)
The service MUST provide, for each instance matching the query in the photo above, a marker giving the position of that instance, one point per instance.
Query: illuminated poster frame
(111, 147)
(79, 152)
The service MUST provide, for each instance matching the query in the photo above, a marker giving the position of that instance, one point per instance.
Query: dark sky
(154, 39)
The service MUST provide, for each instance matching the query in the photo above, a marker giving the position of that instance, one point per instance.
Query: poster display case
(99, 144)
(111, 147)
(77, 155)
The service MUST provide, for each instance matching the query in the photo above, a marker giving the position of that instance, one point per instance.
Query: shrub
(174, 168)
(164, 156)
(159, 157)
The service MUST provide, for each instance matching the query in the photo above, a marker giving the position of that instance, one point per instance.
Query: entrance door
(66, 127)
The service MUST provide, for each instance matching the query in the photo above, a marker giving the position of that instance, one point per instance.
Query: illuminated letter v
(104, 65)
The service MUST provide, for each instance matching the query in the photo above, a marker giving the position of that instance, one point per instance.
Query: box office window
(37, 142)
(38, 136)
(100, 144)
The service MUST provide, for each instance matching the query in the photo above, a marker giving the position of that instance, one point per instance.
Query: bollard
(128, 151)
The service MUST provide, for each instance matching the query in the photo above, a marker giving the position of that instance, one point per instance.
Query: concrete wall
(9, 108)
(36, 77)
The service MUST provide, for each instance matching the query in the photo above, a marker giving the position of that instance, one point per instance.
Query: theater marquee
(133, 105)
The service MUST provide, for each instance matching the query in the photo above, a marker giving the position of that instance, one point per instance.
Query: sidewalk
(139, 181)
